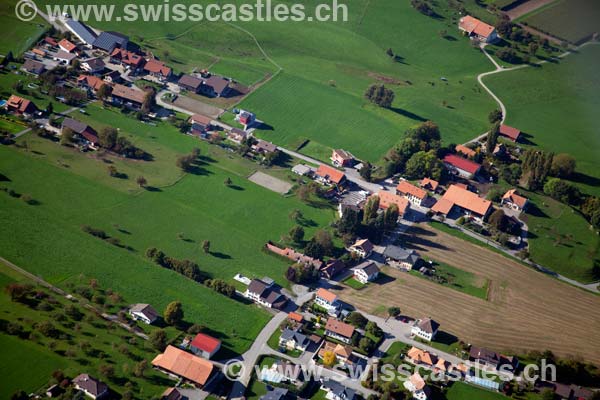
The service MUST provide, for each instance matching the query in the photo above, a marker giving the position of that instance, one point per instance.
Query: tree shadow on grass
(408, 114)
(445, 338)
(535, 211)
(236, 187)
(579, 177)
(526, 138)
(152, 189)
(220, 255)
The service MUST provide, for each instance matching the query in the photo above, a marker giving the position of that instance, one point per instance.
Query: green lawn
(463, 391)
(458, 279)
(11, 125)
(18, 36)
(353, 283)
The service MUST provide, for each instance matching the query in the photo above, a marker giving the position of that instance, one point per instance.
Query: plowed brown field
(525, 309)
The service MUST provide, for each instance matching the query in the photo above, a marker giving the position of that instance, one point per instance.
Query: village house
(337, 391)
(429, 184)
(443, 366)
(490, 359)
(293, 340)
(112, 77)
(425, 328)
(417, 387)
(67, 46)
(129, 59)
(83, 131)
(331, 268)
(108, 41)
(414, 194)
(263, 293)
(215, 86)
(362, 248)
(90, 386)
(171, 394)
(182, 364)
(510, 133)
(201, 125)
(237, 135)
(245, 118)
(39, 52)
(90, 82)
(158, 70)
(302, 170)
(343, 353)
(477, 29)
(467, 202)
(514, 200)
(190, 83)
(465, 151)
(130, 97)
(263, 147)
(205, 346)
(563, 391)
(330, 176)
(64, 57)
(93, 65)
(366, 272)
(339, 330)
(81, 31)
(20, 106)
(295, 256)
(399, 257)
(143, 312)
(276, 393)
(461, 166)
(386, 199)
(50, 41)
(327, 300)
(341, 158)
(33, 67)
(421, 357)
(295, 321)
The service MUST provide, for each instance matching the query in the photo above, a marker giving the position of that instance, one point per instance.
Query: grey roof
(218, 83)
(74, 125)
(339, 390)
(190, 80)
(428, 325)
(95, 63)
(107, 41)
(63, 55)
(301, 169)
(275, 394)
(257, 286)
(90, 384)
(296, 336)
(145, 309)
(82, 31)
(400, 254)
(33, 66)
(369, 267)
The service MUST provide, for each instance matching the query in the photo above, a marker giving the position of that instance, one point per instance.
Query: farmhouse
(293, 340)
(337, 391)
(143, 312)
(399, 257)
(510, 133)
(339, 330)
(414, 194)
(33, 67)
(237, 135)
(201, 124)
(108, 41)
(20, 106)
(81, 31)
(461, 166)
(341, 158)
(263, 294)
(92, 387)
(465, 151)
(67, 46)
(386, 199)
(417, 387)
(421, 357)
(362, 248)
(64, 57)
(429, 184)
(491, 359)
(331, 268)
(215, 86)
(128, 58)
(158, 69)
(84, 131)
(328, 175)
(514, 200)
(366, 272)
(128, 96)
(478, 29)
(425, 328)
(468, 202)
(263, 147)
(328, 300)
(190, 83)
(177, 362)
(171, 394)
(93, 65)
(205, 346)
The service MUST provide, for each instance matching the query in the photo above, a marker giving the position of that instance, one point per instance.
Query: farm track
(525, 310)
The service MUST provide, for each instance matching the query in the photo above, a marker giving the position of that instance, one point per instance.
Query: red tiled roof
(386, 199)
(429, 183)
(465, 150)
(326, 295)
(473, 25)
(19, 103)
(333, 174)
(295, 317)
(515, 198)
(68, 46)
(127, 57)
(92, 81)
(206, 343)
(156, 67)
(339, 327)
(184, 364)
(51, 41)
(129, 93)
(406, 187)
(456, 195)
(510, 132)
(462, 163)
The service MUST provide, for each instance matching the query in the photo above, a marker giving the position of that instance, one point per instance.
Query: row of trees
(367, 222)
(186, 268)
(109, 139)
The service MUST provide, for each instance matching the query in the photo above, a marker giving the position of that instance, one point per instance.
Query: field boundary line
(258, 45)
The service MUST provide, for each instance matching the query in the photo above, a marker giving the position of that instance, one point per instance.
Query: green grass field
(557, 19)
(463, 391)
(457, 279)
(18, 36)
